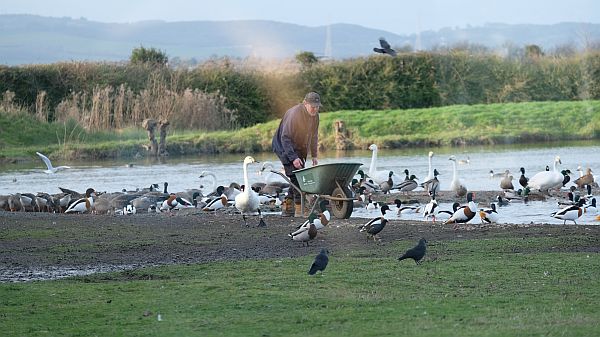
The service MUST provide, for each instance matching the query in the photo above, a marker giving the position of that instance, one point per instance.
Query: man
(297, 133)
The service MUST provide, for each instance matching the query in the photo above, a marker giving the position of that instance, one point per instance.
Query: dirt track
(42, 246)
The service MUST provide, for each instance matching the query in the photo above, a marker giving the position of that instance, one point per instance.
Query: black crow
(416, 253)
(320, 262)
(385, 48)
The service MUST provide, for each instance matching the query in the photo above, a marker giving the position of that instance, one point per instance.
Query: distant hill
(27, 39)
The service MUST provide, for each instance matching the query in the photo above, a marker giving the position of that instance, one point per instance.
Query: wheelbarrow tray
(324, 178)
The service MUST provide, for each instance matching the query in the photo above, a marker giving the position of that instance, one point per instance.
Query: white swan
(547, 179)
(213, 180)
(381, 176)
(430, 172)
(51, 169)
(248, 200)
(457, 185)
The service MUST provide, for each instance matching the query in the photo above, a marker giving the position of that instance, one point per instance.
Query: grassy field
(451, 125)
(479, 287)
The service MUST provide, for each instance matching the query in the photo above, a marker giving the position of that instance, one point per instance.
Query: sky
(396, 16)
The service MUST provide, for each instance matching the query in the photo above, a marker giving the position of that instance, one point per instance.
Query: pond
(183, 173)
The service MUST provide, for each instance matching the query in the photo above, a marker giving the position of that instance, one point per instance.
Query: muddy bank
(35, 246)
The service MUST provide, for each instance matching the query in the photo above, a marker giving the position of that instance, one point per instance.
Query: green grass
(450, 125)
(488, 287)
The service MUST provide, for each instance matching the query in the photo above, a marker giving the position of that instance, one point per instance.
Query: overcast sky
(397, 16)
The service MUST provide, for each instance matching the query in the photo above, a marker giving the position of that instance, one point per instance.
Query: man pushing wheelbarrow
(297, 133)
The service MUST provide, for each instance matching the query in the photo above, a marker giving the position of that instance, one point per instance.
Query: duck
(379, 176)
(247, 201)
(545, 180)
(501, 201)
(464, 214)
(496, 175)
(371, 205)
(506, 181)
(306, 233)
(570, 213)
(404, 209)
(83, 205)
(456, 185)
(387, 185)
(566, 176)
(49, 168)
(591, 207)
(433, 184)
(217, 203)
(464, 161)
(368, 184)
(445, 214)
(409, 184)
(375, 225)
(320, 219)
(523, 180)
(175, 203)
(430, 209)
(489, 215)
(586, 179)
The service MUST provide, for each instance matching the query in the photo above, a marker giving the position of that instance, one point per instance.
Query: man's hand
(298, 163)
(315, 162)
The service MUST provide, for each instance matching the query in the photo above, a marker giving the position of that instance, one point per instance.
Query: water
(183, 172)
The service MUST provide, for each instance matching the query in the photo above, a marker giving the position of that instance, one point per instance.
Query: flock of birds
(248, 199)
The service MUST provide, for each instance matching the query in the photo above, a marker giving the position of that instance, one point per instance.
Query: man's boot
(287, 208)
(298, 211)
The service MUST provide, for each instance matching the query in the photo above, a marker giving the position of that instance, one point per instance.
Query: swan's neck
(454, 172)
(373, 167)
(430, 175)
(555, 170)
(248, 188)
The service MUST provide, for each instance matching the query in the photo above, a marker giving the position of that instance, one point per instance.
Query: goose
(376, 225)
(305, 234)
(49, 168)
(457, 185)
(247, 201)
(463, 214)
(379, 176)
(545, 180)
(523, 180)
(433, 184)
(489, 215)
(83, 205)
(571, 213)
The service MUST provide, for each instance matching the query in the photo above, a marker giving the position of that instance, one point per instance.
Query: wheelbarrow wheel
(342, 209)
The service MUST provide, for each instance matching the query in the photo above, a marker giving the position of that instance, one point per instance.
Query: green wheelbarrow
(327, 181)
